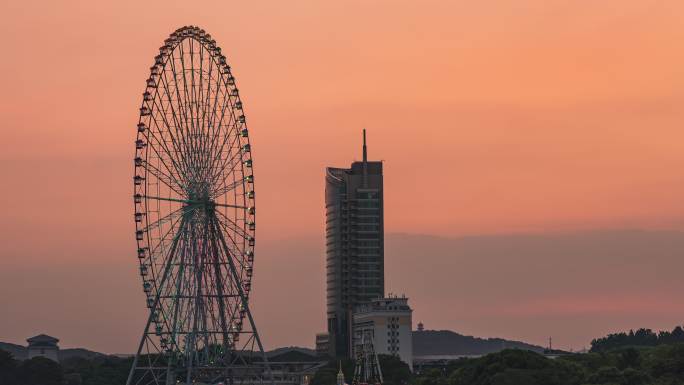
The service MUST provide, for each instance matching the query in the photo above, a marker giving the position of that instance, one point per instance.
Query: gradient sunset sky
(514, 118)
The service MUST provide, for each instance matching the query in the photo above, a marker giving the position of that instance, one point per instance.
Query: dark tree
(517, 367)
(8, 368)
(629, 358)
(40, 371)
(394, 370)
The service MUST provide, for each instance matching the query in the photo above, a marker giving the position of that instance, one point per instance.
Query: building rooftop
(391, 303)
(42, 338)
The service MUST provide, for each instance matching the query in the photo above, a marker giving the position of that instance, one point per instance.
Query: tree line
(641, 337)
(106, 370)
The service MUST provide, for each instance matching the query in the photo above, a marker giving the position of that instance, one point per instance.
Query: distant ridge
(21, 352)
(18, 352)
(425, 343)
(294, 353)
(446, 342)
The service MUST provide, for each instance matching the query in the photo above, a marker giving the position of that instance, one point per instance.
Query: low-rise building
(389, 323)
(43, 346)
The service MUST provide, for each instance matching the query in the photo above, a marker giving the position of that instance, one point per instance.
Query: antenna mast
(365, 161)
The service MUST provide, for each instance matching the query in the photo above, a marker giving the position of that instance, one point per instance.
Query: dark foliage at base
(394, 371)
(661, 365)
(74, 371)
(36, 371)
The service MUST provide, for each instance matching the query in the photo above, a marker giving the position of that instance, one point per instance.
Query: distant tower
(355, 270)
(43, 346)
(340, 375)
(420, 327)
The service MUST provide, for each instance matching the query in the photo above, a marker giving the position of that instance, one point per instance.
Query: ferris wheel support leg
(137, 354)
(241, 292)
(156, 303)
(140, 347)
(219, 287)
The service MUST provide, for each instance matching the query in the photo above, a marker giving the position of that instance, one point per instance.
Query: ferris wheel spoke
(180, 100)
(162, 220)
(158, 104)
(232, 225)
(237, 254)
(167, 199)
(229, 126)
(179, 165)
(168, 180)
(167, 154)
(178, 141)
(198, 98)
(192, 102)
(209, 116)
(194, 202)
(188, 107)
(218, 95)
(211, 154)
(232, 161)
(219, 144)
(230, 206)
(201, 103)
(224, 170)
(227, 188)
(233, 148)
(182, 113)
(157, 251)
(212, 137)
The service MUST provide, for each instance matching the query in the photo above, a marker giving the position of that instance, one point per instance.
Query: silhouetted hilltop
(21, 352)
(18, 352)
(446, 342)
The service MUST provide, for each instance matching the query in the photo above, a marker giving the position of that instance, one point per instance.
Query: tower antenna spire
(365, 161)
(365, 150)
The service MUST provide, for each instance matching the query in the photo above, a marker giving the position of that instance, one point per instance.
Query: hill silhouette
(21, 352)
(446, 342)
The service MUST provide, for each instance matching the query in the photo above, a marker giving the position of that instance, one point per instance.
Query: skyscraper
(354, 245)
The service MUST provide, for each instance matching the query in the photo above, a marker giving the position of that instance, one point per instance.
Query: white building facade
(389, 323)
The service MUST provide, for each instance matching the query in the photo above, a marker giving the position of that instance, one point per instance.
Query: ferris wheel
(195, 220)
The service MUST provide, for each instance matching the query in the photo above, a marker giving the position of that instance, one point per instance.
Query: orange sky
(493, 117)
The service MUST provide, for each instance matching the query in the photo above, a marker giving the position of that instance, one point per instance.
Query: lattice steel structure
(367, 370)
(194, 218)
